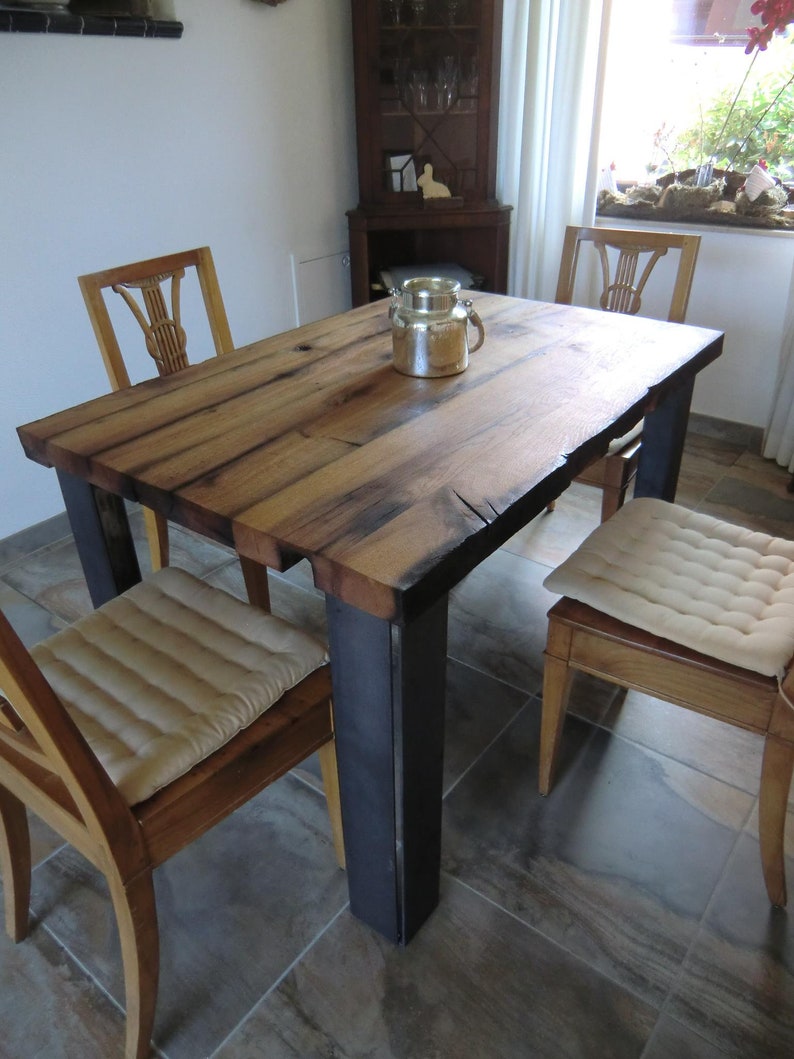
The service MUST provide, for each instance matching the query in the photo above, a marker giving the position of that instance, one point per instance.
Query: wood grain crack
(473, 509)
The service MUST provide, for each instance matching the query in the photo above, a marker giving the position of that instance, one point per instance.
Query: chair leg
(136, 915)
(557, 679)
(611, 501)
(157, 535)
(330, 774)
(256, 584)
(618, 473)
(776, 772)
(15, 864)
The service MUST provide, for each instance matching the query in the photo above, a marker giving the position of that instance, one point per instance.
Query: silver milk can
(430, 327)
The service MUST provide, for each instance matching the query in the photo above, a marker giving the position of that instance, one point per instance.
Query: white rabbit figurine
(432, 189)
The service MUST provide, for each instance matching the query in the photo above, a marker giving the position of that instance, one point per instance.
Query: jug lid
(430, 293)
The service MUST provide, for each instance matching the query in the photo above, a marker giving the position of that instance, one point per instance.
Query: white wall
(240, 135)
(741, 286)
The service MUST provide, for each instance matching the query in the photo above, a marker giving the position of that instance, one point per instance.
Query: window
(700, 21)
(686, 109)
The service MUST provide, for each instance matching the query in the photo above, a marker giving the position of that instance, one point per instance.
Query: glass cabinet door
(424, 91)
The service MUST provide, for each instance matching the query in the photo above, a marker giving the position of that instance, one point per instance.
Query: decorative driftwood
(720, 202)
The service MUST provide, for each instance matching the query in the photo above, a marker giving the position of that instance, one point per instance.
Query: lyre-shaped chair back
(156, 307)
(166, 340)
(147, 288)
(638, 253)
(621, 292)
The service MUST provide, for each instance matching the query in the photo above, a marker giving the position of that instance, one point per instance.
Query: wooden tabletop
(311, 444)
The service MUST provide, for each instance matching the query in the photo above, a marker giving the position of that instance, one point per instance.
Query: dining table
(310, 445)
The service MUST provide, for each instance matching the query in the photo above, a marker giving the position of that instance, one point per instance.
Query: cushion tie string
(783, 695)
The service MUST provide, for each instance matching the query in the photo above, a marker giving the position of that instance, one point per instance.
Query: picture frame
(401, 171)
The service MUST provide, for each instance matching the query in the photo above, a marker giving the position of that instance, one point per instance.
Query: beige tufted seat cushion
(714, 587)
(170, 671)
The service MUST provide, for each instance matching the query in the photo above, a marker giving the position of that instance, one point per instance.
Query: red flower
(775, 16)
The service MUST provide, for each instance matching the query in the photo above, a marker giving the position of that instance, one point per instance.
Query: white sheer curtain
(779, 440)
(552, 59)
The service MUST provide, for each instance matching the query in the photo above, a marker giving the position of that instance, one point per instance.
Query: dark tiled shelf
(13, 20)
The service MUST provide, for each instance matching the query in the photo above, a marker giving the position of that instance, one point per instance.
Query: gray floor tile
(551, 537)
(473, 983)
(31, 622)
(722, 750)
(709, 430)
(235, 909)
(753, 468)
(753, 494)
(478, 709)
(31, 539)
(732, 497)
(671, 1040)
(53, 578)
(43, 840)
(737, 985)
(704, 462)
(723, 452)
(617, 864)
(497, 620)
(50, 1008)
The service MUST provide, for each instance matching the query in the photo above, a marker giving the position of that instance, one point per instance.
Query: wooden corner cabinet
(427, 94)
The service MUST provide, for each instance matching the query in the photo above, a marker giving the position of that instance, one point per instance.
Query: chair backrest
(621, 290)
(142, 285)
(47, 763)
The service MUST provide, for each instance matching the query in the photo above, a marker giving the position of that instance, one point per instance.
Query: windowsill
(723, 203)
(694, 226)
(775, 224)
(15, 20)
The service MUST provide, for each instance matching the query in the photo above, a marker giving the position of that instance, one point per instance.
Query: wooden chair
(130, 769)
(621, 292)
(691, 610)
(142, 286)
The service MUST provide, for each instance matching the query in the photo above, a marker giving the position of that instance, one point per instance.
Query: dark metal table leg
(389, 691)
(663, 436)
(102, 535)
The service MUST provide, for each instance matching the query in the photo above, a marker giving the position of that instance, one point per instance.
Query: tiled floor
(624, 916)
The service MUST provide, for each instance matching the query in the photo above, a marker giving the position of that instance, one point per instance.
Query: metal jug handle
(475, 319)
(395, 293)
